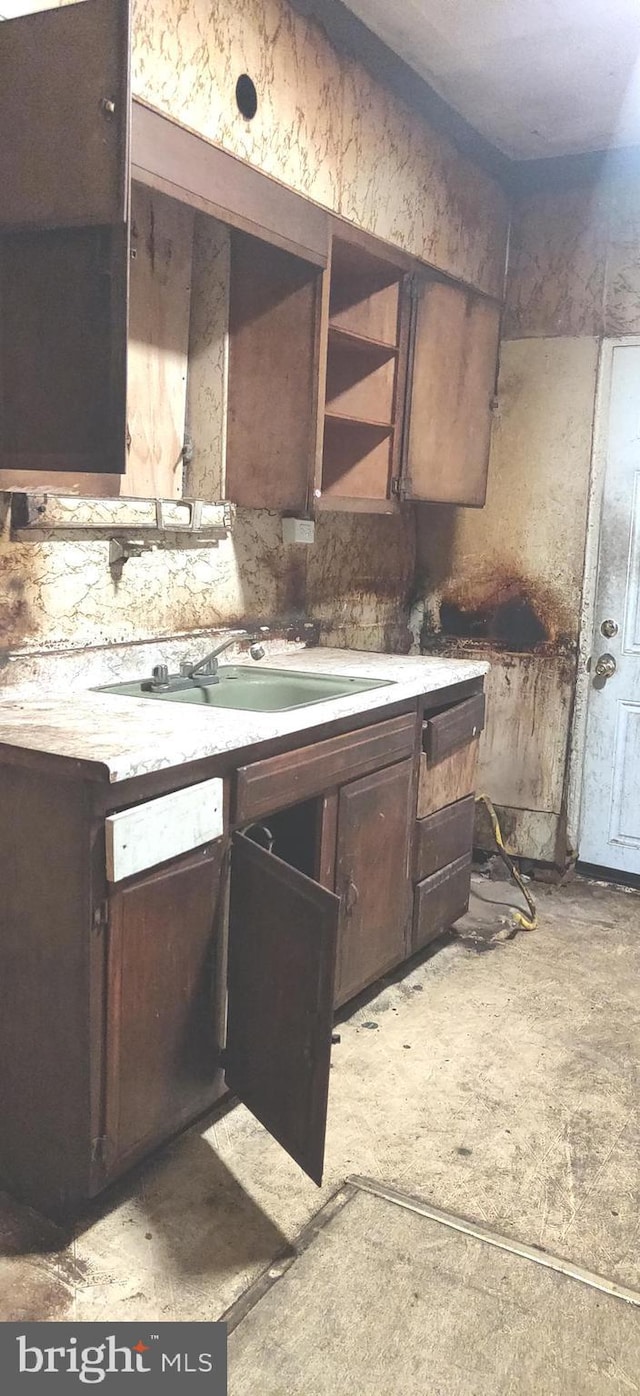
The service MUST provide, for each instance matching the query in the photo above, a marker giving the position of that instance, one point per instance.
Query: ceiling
(537, 78)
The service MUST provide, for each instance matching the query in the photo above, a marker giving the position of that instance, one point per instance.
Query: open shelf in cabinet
(360, 343)
(362, 394)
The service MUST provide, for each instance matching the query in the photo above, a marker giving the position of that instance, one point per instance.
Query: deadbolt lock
(609, 628)
(606, 666)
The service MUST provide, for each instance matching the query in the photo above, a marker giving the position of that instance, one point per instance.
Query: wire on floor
(525, 922)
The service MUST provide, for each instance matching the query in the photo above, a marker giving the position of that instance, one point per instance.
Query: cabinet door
(64, 176)
(374, 824)
(274, 309)
(64, 115)
(452, 384)
(162, 1044)
(283, 931)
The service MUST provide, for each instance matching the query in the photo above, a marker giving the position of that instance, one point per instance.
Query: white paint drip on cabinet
(159, 829)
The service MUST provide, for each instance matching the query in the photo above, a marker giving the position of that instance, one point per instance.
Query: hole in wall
(246, 97)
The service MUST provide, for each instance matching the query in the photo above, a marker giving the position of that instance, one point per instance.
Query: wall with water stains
(329, 130)
(506, 581)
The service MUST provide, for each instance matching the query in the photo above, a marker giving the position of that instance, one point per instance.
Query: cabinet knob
(108, 106)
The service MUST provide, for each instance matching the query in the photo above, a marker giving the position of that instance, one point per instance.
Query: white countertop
(116, 738)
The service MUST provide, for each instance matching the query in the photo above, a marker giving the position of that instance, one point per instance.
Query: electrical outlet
(298, 531)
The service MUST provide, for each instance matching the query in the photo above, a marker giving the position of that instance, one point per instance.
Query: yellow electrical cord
(527, 923)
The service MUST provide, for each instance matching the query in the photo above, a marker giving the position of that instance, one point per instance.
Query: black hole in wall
(246, 96)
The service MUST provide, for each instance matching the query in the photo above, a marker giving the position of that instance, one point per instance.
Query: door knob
(609, 628)
(606, 666)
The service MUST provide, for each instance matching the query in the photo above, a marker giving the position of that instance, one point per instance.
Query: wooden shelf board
(338, 503)
(361, 343)
(330, 416)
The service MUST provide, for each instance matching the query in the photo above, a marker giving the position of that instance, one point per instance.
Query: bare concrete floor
(419, 1308)
(498, 1079)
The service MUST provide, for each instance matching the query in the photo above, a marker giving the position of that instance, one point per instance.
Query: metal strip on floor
(492, 1238)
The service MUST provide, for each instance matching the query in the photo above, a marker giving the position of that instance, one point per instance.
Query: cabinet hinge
(98, 1148)
(399, 487)
(101, 917)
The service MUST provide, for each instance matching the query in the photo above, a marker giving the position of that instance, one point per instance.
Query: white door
(610, 818)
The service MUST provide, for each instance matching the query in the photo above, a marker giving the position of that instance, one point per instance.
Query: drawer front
(278, 781)
(440, 900)
(448, 731)
(444, 782)
(151, 833)
(442, 838)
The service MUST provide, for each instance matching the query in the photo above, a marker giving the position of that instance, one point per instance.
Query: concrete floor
(420, 1308)
(498, 1079)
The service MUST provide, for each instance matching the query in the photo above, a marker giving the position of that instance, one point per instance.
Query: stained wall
(506, 581)
(327, 129)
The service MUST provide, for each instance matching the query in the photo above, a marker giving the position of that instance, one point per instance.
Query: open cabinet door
(455, 336)
(283, 932)
(64, 211)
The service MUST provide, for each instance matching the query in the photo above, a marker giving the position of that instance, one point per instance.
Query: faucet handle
(159, 678)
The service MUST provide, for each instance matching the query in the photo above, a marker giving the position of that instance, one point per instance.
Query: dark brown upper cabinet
(64, 114)
(452, 382)
(365, 356)
(351, 383)
(410, 375)
(274, 311)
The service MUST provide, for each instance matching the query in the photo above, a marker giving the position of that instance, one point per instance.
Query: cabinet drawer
(448, 731)
(284, 780)
(160, 829)
(442, 837)
(440, 900)
(444, 782)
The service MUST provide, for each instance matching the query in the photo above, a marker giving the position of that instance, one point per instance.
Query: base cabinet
(283, 930)
(161, 1042)
(198, 937)
(440, 900)
(372, 876)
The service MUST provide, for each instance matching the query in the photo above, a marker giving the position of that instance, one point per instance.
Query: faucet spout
(209, 664)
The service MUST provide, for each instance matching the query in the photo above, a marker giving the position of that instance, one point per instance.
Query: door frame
(578, 735)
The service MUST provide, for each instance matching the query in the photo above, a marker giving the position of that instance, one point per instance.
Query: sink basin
(254, 690)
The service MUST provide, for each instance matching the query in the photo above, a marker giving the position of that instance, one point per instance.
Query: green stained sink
(250, 689)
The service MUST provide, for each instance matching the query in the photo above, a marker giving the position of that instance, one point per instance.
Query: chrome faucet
(208, 666)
